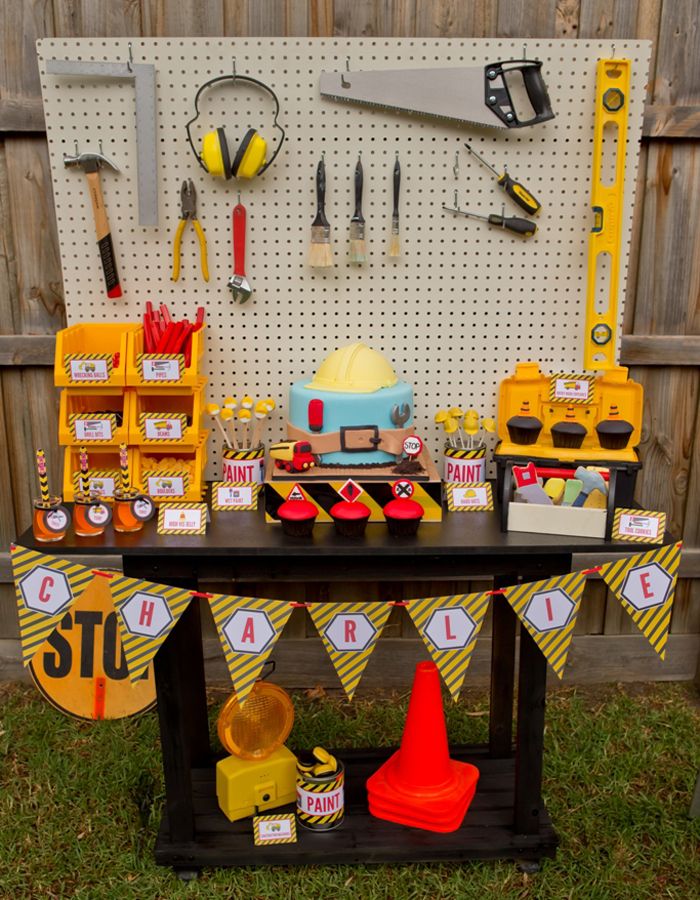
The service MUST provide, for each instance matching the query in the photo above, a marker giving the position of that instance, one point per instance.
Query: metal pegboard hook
(130, 61)
(455, 167)
(233, 69)
(345, 83)
(456, 201)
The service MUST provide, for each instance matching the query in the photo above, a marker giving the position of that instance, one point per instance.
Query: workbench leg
(502, 673)
(529, 744)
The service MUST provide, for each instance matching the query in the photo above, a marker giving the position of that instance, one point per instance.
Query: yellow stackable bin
(93, 354)
(163, 369)
(173, 473)
(161, 417)
(104, 470)
(95, 417)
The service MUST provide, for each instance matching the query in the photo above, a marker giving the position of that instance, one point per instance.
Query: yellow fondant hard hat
(353, 369)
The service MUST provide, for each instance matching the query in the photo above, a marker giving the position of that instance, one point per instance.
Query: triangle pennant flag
(248, 630)
(449, 627)
(349, 632)
(147, 614)
(645, 584)
(548, 610)
(46, 588)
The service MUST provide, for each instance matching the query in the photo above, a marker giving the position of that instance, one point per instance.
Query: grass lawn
(80, 803)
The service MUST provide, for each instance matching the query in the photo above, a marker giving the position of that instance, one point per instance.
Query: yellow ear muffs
(250, 156)
(215, 155)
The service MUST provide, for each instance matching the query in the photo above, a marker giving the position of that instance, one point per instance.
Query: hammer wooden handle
(104, 237)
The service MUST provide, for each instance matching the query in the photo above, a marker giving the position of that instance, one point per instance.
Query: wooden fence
(662, 320)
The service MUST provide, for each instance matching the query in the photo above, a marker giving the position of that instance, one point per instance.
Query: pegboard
(454, 314)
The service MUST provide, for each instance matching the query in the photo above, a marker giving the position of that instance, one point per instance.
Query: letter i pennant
(349, 632)
(248, 630)
(449, 627)
(147, 614)
(46, 588)
(548, 610)
(645, 585)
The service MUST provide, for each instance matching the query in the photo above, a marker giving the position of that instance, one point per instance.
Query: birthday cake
(354, 411)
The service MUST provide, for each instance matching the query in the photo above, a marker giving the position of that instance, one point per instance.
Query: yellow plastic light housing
(257, 729)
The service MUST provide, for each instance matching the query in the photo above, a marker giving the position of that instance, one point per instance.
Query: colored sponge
(554, 489)
(571, 491)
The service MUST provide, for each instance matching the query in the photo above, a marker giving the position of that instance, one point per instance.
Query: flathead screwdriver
(523, 227)
(516, 191)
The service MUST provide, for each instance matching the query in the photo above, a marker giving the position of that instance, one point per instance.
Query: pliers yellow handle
(188, 211)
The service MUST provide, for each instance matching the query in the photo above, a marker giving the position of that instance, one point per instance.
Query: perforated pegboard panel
(454, 314)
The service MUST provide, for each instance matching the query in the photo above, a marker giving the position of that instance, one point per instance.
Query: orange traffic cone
(420, 785)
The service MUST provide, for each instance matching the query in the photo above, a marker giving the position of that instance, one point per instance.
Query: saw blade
(457, 94)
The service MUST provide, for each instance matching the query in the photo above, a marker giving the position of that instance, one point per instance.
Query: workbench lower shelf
(487, 832)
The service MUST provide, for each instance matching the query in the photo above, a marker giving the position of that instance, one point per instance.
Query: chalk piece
(596, 500)
(571, 491)
(534, 493)
(592, 481)
(525, 475)
(554, 489)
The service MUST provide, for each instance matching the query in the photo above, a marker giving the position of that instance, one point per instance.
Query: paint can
(243, 466)
(464, 466)
(321, 799)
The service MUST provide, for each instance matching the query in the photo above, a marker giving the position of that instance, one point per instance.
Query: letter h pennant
(349, 632)
(645, 585)
(248, 630)
(147, 613)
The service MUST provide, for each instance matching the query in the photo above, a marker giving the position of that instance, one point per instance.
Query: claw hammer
(91, 164)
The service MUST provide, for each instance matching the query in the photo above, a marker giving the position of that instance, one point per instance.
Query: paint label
(465, 471)
(232, 496)
(322, 803)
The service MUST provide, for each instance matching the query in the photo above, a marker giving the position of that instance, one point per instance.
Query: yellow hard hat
(353, 369)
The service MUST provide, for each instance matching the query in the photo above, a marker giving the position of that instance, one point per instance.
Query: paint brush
(320, 254)
(358, 245)
(394, 240)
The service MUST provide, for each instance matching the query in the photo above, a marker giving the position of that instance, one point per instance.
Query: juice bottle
(131, 510)
(50, 520)
(90, 515)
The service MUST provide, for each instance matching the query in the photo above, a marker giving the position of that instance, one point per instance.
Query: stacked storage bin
(115, 393)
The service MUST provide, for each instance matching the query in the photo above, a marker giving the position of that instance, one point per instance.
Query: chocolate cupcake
(350, 518)
(614, 434)
(403, 517)
(568, 432)
(297, 517)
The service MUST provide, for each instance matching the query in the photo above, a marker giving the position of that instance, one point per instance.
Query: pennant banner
(147, 614)
(449, 627)
(248, 630)
(548, 610)
(645, 585)
(46, 588)
(349, 632)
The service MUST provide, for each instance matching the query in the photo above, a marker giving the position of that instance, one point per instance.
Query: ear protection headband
(249, 159)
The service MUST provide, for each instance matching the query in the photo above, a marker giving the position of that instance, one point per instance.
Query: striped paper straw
(43, 477)
(124, 466)
(84, 481)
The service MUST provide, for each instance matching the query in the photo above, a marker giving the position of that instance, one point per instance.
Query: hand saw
(476, 95)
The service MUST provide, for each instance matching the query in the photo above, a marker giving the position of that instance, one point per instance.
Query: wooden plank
(663, 121)
(27, 349)
(677, 80)
(21, 114)
(7, 517)
(21, 23)
(454, 18)
(591, 616)
(516, 19)
(369, 18)
(187, 18)
(40, 297)
(567, 15)
(9, 623)
(685, 618)
(108, 18)
(660, 350)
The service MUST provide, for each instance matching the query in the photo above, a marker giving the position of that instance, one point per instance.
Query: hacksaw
(479, 95)
(611, 106)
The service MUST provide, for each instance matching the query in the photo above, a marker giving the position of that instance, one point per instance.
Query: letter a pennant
(147, 614)
(248, 630)
(645, 585)
(548, 610)
(449, 627)
(46, 588)
(349, 632)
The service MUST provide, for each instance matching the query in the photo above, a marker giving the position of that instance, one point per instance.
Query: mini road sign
(402, 489)
(350, 491)
(296, 493)
(412, 446)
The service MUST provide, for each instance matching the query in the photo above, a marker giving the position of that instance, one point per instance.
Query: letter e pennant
(147, 614)
(548, 610)
(349, 632)
(449, 627)
(46, 588)
(248, 629)
(645, 585)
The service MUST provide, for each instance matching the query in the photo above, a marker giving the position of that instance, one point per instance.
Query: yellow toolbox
(166, 369)
(99, 416)
(93, 354)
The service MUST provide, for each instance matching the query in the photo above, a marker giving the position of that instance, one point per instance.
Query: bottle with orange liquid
(90, 515)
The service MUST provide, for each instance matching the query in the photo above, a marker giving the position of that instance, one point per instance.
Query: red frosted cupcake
(297, 517)
(403, 516)
(350, 518)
